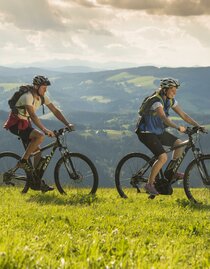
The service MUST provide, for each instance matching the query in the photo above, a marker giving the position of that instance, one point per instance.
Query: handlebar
(62, 131)
(189, 131)
(196, 129)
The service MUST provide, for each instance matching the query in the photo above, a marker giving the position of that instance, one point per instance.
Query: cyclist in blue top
(151, 130)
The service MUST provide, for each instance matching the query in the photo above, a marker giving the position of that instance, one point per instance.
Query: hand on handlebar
(71, 127)
(202, 129)
(48, 132)
(195, 129)
(182, 129)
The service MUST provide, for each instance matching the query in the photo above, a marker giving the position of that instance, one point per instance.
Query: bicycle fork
(69, 164)
(203, 172)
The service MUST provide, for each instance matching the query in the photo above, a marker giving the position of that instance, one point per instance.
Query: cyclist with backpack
(24, 104)
(151, 126)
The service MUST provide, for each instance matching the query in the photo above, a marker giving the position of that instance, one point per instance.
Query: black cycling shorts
(23, 134)
(155, 142)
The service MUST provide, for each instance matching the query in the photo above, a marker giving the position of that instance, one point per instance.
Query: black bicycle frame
(188, 143)
(197, 154)
(54, 146)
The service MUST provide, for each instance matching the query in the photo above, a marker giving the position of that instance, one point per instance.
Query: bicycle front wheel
(11, 176)
(76, 173)
(131, 172)
(197, 180)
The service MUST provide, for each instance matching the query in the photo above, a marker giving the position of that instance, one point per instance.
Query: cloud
(199, 29)
(33, 14)
(87, 3)
(101, 31)
(163, 7)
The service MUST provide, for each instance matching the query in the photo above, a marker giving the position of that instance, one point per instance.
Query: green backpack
(149, 101)
(146, 105)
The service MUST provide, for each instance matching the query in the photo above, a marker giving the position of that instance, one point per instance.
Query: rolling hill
(104, 106)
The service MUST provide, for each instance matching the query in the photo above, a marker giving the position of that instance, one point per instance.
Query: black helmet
(41, 80)
(165, 83)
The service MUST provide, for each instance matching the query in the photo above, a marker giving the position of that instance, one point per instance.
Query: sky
(111, 33)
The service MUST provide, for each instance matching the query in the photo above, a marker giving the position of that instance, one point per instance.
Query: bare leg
(37, 157)
(36, 138)
(178, 152)
(162, 159)
(169, 172)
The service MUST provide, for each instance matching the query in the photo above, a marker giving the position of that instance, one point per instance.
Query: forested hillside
(103, 106)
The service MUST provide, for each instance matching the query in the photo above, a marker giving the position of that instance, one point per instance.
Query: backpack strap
(171, 103)
(29, 88)
(42, 103)
(150, 101)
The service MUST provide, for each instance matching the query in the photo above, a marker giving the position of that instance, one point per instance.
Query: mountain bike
(73, 171)
(133, 170)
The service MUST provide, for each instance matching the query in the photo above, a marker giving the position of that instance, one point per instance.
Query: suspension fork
(202, 169)
(200, 164)
(66, 156)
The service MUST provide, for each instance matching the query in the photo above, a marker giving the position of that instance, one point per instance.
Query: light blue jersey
(151, 122)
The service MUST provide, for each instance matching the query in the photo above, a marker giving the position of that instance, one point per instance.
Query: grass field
(9, 86)
(53, 231)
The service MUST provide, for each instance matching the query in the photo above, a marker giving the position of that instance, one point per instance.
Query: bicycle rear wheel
(11, 176)
(128, 174)
(197, 180)
(77, 174)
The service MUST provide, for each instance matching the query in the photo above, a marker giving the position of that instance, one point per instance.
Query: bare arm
(160, 112)
(37, 121)
(34, 117)
(185, 116)
(167, 121)
(59, 115)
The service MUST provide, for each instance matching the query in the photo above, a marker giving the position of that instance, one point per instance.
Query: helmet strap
(163, 91)
(37, 90)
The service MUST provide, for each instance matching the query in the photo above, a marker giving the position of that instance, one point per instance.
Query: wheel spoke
(197, 181)
(9, 174)
(127, 178)
(81, 178)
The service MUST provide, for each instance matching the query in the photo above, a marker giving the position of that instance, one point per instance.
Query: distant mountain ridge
(106, 102)
(117, 91)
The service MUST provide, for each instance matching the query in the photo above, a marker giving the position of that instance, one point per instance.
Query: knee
(163, 158)
(39, 137)
(177, 142)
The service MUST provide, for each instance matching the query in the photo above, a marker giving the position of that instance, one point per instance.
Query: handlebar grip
(195, 129)
(62, 130)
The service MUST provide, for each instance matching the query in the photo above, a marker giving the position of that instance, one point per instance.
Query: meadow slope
(53, 231)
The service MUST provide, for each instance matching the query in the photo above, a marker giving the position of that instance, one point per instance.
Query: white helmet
(165, 83)
(41, 80)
